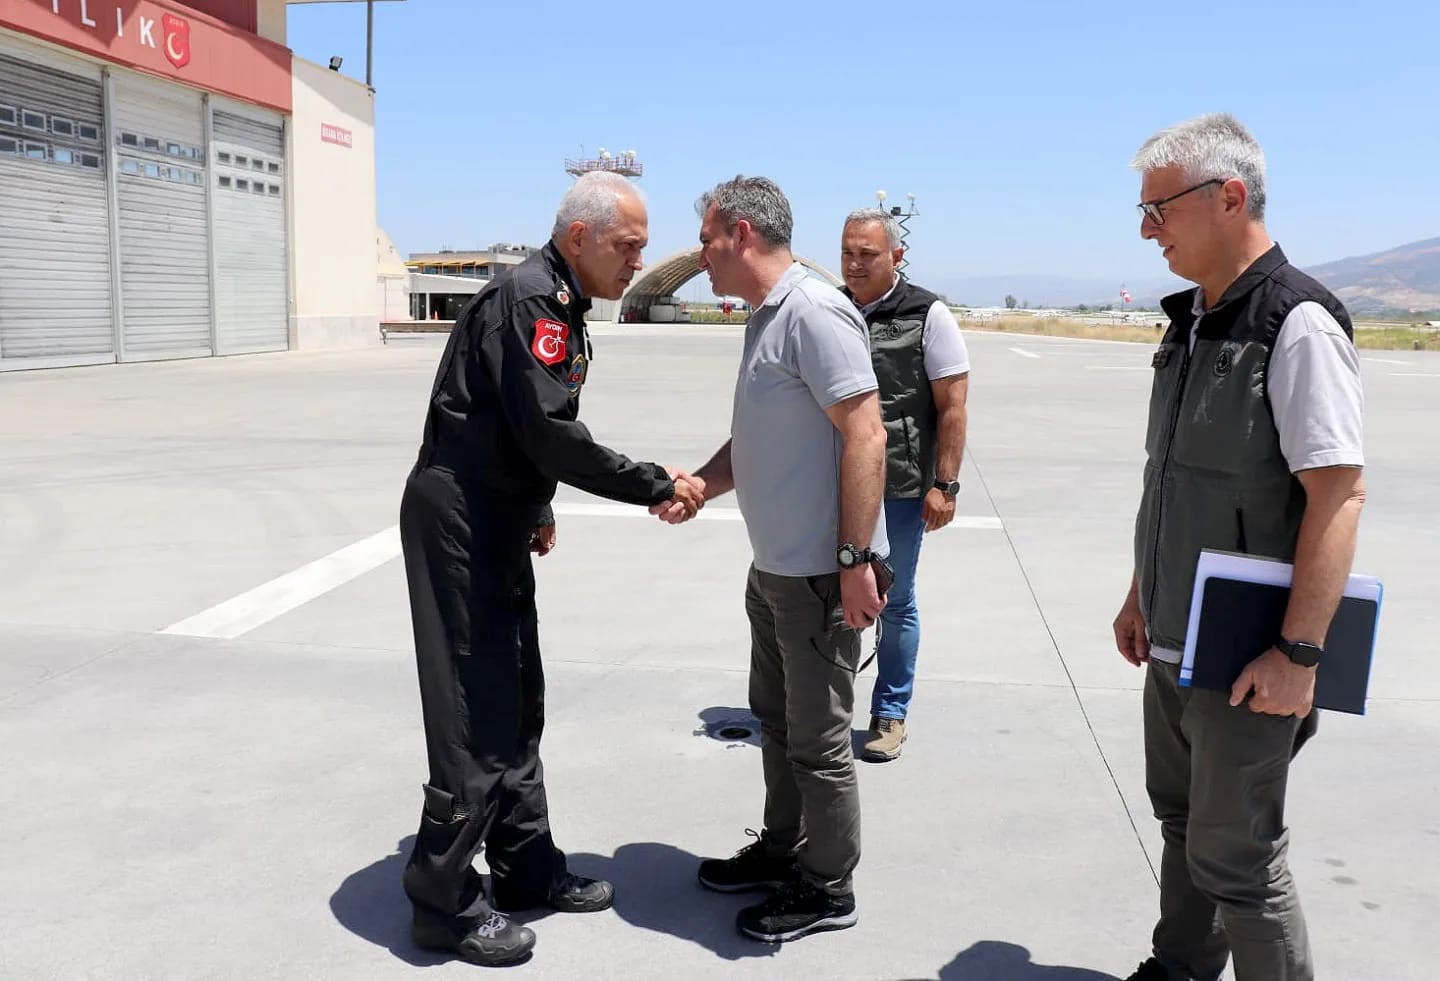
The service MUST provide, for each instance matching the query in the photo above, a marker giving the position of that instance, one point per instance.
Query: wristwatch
(852, 556)
(950, 489)
(1303, 654)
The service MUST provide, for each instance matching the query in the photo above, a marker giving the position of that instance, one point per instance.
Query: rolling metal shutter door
(252, 267)
(159, 142)
(55, 302)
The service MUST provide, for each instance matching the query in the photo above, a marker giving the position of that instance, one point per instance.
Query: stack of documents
(1236, 613)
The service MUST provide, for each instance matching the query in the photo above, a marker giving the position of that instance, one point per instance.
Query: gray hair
(1210, 147)
(757, 200)
(886, 219)
(594, 199)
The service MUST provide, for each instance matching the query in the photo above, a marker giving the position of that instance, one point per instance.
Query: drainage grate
(732, 726)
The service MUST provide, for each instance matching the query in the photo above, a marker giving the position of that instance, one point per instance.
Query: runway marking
(1385, 361)
(1415, 374)
(601, 510)
(973, 522)
(277, 597)
(1024, 353)
(255, 608)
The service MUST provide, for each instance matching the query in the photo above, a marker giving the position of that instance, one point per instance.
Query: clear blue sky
(1012, 123)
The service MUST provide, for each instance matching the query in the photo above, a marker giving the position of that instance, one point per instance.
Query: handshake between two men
(688, 500)
(862, 589)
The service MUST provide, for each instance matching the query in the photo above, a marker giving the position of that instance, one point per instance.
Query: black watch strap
(950, 487)
(1302, 653)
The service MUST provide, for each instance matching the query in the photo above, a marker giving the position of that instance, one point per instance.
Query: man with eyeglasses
(1254, 446)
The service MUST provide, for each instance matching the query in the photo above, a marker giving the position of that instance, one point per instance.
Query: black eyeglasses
(1151, 209)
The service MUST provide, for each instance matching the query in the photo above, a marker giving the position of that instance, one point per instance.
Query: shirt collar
(792, 278)
(566, 272)
(869, 308)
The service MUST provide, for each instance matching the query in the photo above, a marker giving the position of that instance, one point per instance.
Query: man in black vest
(1254, 445)
(923, 371)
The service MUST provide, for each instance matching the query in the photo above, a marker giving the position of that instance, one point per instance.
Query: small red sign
(177, 39)
(551, 338)
(336, 135)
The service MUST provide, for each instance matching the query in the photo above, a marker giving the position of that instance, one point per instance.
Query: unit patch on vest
(578, 370)
(563, 295)
(1224, 362)
(550, 341)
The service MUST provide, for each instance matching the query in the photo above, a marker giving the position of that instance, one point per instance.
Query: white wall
(333, 211)
(270, 20)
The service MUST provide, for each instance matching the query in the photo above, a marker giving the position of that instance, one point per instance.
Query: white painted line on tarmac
(635, 511)
(1415, 374)
(257, 607)
(1119, 367)
(1024, 353)
(712, 513)
(1385, 361)
(976, 522)
(279, 596)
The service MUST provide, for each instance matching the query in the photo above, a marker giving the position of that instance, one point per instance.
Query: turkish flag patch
(551, 340)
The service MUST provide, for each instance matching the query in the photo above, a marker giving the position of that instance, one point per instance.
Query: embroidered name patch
(551, 338)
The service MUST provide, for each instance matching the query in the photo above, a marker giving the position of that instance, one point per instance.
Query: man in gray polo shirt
(806, 458)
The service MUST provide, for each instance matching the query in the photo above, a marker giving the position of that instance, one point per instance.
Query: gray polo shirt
(806, 349)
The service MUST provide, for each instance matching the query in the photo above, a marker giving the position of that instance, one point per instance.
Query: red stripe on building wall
(168, 40)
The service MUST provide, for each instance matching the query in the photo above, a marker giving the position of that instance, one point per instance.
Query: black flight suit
(500, 431)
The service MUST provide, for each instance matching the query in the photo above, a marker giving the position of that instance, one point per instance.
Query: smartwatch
(852, 556)
(951, 489)
(1303, 654)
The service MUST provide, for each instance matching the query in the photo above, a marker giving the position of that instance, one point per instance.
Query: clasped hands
(688, 500)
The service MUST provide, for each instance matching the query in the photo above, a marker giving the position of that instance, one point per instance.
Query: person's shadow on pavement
(655, 889)
(995, 960)
(371, 904)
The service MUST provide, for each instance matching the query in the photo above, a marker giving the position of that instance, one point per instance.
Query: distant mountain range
(1403, 278)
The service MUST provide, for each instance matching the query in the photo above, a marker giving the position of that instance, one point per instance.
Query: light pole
(369, 42)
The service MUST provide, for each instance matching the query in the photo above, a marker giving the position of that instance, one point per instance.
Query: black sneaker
(570, 894)
(491, 941)
(1151, 970)
(798, 909)
(752, 867)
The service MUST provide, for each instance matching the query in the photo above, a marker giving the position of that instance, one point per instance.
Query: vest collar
(1180, 307)
(888, 305)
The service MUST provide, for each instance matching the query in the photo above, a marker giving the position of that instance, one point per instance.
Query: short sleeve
(944, 347)
(831, 351)
(1315, 392)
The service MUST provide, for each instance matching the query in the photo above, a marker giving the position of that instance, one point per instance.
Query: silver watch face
(846, 556)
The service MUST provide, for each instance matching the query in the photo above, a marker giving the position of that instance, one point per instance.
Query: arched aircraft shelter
(652, 298)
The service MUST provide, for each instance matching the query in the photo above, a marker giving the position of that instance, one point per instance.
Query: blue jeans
(900, 620)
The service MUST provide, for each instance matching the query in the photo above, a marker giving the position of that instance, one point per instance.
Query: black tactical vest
(897, 336)
(1215, 476)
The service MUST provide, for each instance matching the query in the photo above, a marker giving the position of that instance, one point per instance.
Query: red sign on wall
(172, 42)
(336, 135)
